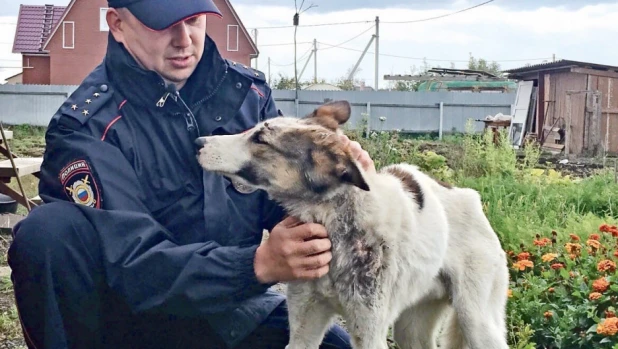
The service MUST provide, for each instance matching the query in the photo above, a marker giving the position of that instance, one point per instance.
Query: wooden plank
(8, 221)
(553, 146)
(8, 134)
(5, 189)
(25, 166)
(608, 74)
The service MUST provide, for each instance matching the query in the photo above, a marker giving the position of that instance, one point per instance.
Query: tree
(483, 65)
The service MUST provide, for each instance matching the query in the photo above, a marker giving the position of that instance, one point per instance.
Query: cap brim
(162, 14)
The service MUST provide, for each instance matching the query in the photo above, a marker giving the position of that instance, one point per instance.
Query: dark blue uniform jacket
(175, 239)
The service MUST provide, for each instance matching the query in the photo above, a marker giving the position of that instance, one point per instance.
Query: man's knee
(48, 228)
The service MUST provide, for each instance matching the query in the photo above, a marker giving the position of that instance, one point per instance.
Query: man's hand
(359, 154)
(293, 251)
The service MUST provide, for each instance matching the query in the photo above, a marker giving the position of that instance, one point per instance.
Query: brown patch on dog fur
(331, 114)
(409, 183)
(444, 184)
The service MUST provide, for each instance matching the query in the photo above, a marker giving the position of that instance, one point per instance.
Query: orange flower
(595, 237)
(572, 256)
(608, 327)
(542, 242)
(616, 254)
(573, 248)
(548, 314)
(606, 265)
(572, 274)
(557, 266)
(612, 229)
(523, 256)
(551, 290)
(574, 237)
(600, 285)
(594, 296)
(523, 264)
(509, 293)
(594, 244)
(548, 257)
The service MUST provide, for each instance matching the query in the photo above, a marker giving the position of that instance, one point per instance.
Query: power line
(387, 22)
(431, 59)
(345, 42)
(438, 17)
(304, 55)
(287, 44)
(314, 25)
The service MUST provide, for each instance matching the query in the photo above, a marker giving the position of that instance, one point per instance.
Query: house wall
(556, 88)
(217, 29)
(69, 66)
(37, 71)
(609, 108)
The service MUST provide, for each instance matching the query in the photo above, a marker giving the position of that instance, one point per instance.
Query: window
(232, 37)
(68, 35)
(102, 20)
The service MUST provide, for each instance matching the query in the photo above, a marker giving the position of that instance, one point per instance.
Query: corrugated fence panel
(382, 110)
(31, 104)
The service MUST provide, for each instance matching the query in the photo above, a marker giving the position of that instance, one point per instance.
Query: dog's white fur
(450, 235)
(443, 269)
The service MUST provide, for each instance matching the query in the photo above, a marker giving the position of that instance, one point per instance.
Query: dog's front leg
(309, 317)
(368, 327)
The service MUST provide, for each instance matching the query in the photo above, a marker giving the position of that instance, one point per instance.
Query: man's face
(173, 53)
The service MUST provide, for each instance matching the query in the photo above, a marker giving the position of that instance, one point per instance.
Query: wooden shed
(576, 107)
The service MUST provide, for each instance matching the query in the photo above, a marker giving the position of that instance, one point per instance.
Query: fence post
(441, 120)
(368, 119)
(296, 106)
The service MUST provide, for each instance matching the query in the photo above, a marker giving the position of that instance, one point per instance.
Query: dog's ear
(331, 114)
(350, 173)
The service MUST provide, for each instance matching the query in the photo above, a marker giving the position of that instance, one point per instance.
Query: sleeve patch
(79, 184)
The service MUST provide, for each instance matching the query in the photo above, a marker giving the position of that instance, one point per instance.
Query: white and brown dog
(407, 249)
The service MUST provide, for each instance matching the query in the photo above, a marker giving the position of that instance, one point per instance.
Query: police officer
(136, 246)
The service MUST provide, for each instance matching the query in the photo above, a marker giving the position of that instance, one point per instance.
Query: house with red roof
(60, 45)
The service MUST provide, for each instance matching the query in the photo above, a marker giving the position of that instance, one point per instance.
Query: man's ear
(115, 19)
(331, 114)
(351, 173)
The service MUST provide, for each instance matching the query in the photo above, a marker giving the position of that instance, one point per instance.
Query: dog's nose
(199, 143)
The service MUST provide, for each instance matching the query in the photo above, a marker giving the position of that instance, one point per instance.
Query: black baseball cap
(162, 14)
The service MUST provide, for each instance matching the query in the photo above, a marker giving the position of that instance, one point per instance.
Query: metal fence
(415, 112)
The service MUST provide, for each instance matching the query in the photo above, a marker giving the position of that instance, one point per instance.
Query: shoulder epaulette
(85, 102)
(246, 70)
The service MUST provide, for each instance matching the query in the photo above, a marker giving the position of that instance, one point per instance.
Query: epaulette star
(96, 95)
(88, 101)
(74, 107)
(85, 112)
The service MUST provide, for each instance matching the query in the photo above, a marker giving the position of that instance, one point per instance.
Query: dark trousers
(63, 300)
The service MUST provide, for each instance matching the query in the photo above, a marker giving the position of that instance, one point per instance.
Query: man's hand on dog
(359, 154)
(293, 251)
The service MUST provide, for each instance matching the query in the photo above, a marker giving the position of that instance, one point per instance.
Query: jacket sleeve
(141, 259)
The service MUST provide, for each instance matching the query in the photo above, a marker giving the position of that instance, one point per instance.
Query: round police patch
(243, 189)
(79, 184)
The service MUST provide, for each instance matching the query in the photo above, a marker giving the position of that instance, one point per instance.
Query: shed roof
(34, 25)
(560, 64)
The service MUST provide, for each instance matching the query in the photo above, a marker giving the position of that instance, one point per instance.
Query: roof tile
(33, 28)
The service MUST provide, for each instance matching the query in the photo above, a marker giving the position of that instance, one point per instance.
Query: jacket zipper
(190, 119)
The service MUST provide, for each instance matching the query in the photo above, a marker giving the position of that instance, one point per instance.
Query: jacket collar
(146, 87)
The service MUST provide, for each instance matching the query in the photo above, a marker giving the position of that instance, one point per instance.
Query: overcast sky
(512, 32)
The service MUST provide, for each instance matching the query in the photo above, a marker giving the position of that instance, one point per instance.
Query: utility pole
(315, 61)
(377, 76)
(255, 37)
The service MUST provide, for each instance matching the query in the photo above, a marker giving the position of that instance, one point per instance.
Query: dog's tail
(451, 335)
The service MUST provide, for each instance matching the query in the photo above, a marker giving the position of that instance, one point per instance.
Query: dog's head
(287, 157)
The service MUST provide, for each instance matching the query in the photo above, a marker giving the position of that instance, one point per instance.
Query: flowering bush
(563, 292)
